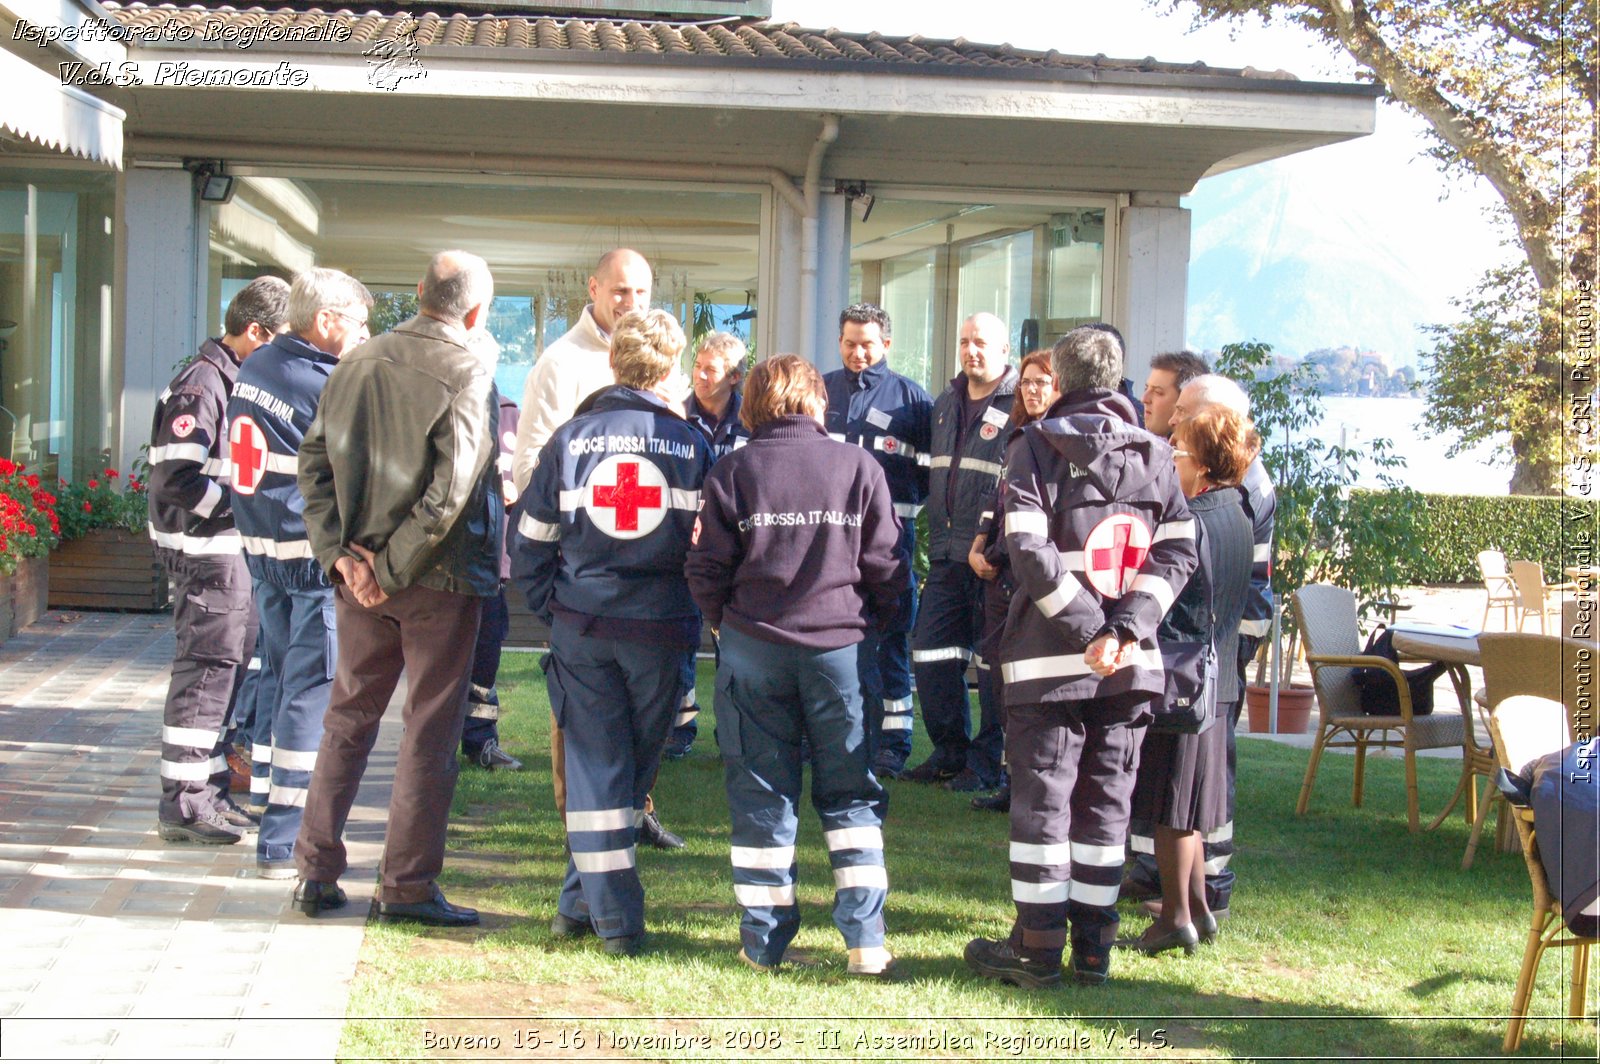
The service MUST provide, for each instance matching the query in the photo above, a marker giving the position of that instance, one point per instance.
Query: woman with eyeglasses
(1182, 788)
(1036, 388)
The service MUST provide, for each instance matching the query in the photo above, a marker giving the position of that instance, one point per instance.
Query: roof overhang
(1111, 130)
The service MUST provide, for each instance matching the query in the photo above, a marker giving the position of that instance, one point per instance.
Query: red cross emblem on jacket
(247, 452)
(1113, 553)
(627, 496)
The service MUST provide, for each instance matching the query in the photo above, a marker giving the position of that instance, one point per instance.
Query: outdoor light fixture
(861, 200)
(211, 180)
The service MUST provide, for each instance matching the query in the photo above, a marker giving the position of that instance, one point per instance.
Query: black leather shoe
(888, 768)
(564, 926)
(998, 802)
(624, 945)
(654, 834)
(930, 771)
(1207, 926)
(1185, 938)
(435, 912)
(995, 959)
(966, 781)
(677, 749)
(314, 898)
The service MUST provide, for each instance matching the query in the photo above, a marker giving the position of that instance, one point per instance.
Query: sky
(1440, 226)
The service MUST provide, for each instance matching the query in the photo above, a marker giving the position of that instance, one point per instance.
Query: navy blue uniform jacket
(605, 520)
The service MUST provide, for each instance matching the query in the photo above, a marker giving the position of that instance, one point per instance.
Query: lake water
(1353, 421)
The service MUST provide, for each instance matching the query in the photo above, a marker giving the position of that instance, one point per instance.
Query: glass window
(541, 241)
(57, 383)
(1039, 267)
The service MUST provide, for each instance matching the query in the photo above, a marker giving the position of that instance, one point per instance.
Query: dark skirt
(1183, 779)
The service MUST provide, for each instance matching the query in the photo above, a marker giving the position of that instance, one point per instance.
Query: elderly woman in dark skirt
(1182, 788)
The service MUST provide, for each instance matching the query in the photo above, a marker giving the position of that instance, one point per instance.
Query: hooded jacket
(1100, 539)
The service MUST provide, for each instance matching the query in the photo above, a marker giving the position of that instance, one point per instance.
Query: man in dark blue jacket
(967, 449)
(889, 416)
(603, 529)
(272, 406)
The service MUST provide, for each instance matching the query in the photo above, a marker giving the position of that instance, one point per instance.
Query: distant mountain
(1290, 254)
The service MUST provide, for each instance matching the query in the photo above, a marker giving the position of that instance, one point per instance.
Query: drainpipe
(808, 235)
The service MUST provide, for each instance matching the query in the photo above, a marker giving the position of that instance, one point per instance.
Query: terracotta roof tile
(767, 42)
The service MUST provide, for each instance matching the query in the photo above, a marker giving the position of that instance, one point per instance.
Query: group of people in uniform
(358, 501)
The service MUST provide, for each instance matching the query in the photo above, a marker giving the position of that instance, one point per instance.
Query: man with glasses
(192, 526)
(270, 411)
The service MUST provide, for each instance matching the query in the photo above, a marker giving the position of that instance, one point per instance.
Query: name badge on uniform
(878, 419)
(995, 416)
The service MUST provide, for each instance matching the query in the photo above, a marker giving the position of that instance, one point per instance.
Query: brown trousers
(430, 634)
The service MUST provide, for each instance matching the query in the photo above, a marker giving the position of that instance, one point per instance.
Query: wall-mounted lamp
(861, 200)
(211, 181)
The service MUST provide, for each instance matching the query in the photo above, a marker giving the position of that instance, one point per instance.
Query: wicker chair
(1533, 594)
(1526, 727)
(1515, 663)
(1327, 618)
(1497, 582)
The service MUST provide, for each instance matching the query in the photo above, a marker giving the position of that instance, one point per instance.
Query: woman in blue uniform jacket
(794, 557)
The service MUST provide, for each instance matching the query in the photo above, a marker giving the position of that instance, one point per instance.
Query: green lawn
(1349, 937)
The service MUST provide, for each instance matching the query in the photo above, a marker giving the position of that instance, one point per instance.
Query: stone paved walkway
(117, 945)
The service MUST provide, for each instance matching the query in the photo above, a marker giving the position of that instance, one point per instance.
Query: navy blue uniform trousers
(769, 696)
(614, 701)
(483, 697)
(949, 629)
(884, 662)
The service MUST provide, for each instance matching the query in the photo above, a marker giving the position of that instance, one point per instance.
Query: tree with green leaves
(1509, 90)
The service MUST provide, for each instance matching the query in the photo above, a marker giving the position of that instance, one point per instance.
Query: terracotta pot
(1294, 708)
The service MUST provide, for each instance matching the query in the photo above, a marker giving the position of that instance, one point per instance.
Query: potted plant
(28, 529)
(1323, 533)
(106, 560)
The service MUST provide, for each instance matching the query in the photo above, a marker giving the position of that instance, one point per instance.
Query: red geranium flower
(88, 507)
(93, 483)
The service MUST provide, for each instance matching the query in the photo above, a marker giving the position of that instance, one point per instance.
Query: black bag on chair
(1375, 687)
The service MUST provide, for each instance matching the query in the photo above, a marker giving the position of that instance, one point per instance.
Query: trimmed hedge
(1555, 532)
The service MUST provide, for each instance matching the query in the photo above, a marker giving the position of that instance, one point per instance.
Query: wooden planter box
(22, 596)
(109, 569)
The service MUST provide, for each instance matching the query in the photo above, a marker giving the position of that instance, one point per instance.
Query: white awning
(37, 107)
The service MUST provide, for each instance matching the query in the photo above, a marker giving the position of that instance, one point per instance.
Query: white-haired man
(271, 408)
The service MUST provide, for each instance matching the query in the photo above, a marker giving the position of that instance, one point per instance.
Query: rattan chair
(1526, 727)
(1533, 594)
(1497, 582)
(1516, 663)
(1327, 619)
